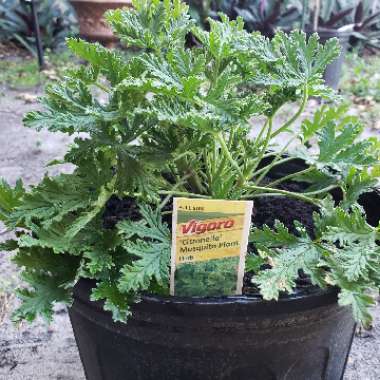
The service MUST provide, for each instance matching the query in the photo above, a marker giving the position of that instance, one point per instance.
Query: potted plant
(177, 122)
(91, 21)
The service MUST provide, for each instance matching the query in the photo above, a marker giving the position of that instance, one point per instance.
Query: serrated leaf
(103, 60)
(153, 255)
(360, 303)
(152, 264)
(47, 284)
(10, 198)
(277, 237)
(357, 183)
(54, 198)
(347, 227)
(115, 301)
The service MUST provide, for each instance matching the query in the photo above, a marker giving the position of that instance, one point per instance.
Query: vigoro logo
(195, 227)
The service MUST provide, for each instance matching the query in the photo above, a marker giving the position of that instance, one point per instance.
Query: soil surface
(41, 352)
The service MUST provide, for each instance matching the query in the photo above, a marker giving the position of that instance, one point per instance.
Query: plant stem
(265, 145)
(296, 115)
(183, 194)
(227, 153)
(102, 87)
(324, 190)
(273, 164)
(193, 178)
(272, 192)
(287, 177)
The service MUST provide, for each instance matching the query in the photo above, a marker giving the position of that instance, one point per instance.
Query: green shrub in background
(56, 17)
(362, 17)
(265, 16)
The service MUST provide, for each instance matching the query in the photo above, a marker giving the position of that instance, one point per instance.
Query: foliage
(258, 15)
(173, 120)
(362, 78)
(361, 18)
(56, 18)
(361, 86)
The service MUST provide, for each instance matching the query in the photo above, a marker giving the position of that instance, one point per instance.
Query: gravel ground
(41, 352)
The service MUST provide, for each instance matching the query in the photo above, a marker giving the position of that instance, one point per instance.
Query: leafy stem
(296, 115)
(227, 153)
(267, 191)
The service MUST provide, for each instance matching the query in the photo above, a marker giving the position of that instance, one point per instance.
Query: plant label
(210, 239)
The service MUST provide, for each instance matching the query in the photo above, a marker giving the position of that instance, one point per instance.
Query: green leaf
(287, 254)
(273, 238)
(253, 263)
(340, 150)
(360, 303)
(49, 278)
(153, 255)
(357, 183)
(305, 61)
(103, 60)
(70, 107)
(53, 199)
(348, 226)
(357, 259)
(152, 25)
(115, 301)
(150, 226)
(152, 264)
(10, 198)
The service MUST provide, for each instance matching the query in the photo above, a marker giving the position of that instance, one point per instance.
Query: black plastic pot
(333, 73)
(301, 337)
(234, 338)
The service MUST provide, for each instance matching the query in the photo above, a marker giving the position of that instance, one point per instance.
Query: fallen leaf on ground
(27, 98)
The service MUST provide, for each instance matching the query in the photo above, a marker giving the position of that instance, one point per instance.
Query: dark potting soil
(266, 211)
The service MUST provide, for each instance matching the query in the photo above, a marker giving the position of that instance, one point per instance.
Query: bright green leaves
(102, 60)
(338, 148)
(356, 183)
(277, 238)
(343, 158)
(49, 278)
(344, 253)
(293, 67)
(70, 107)
(152, 253)
(304, 60)
(360, 303)
(152, 24)
(54, 198)
(115, 301)
(168, 117)
(10, 198)
(287, 254)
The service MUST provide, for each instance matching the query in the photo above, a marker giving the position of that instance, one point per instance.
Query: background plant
(258, 15)
(177, 121)
(57, 21)
(360, 17)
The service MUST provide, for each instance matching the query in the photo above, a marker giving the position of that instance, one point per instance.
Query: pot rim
(227, 305)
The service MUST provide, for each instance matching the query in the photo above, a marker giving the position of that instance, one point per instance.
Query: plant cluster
(258, 15)
(359, 17)
(177, 121)
(56, 18)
